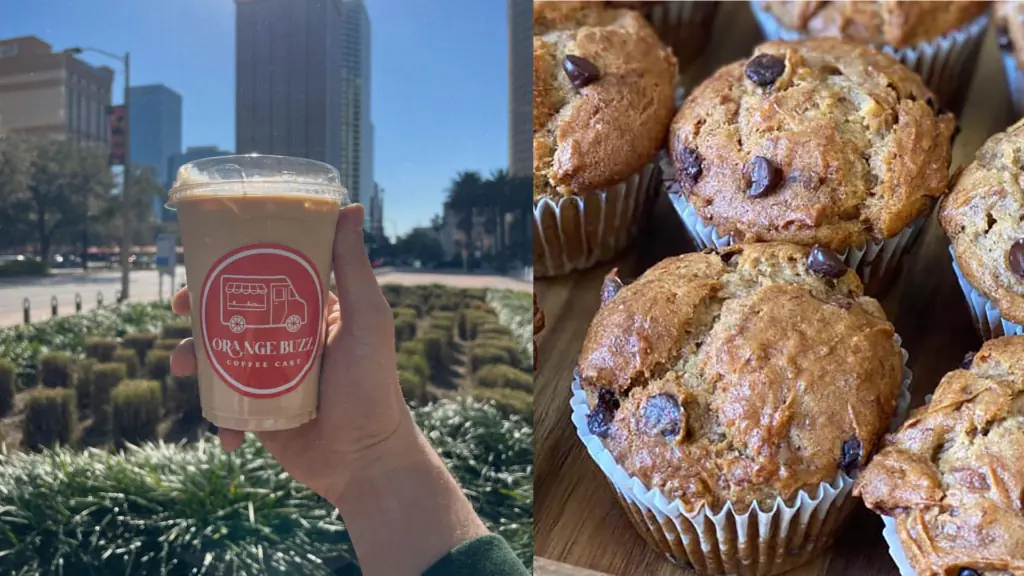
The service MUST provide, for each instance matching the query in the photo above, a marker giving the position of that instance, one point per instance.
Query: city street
(144, 288)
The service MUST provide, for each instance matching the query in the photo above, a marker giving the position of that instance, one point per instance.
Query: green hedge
(414, 363)
(27, 267)
(414, 388)
(186, 397)
(56, 370)
(141, 343)
(480, 356)
(498, 376)
(8, 376)
(50, 418)
(136, 406)
(506, 400)
(130, 359)
(405, 330)
(83, 382)
(105, 377)
(102, 349)
(158, 365)
(168, 344)
(176, 331)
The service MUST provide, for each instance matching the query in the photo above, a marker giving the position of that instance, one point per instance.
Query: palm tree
(464, 197)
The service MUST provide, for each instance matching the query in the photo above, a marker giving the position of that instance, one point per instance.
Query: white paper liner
(619, 210)
(1014, 81)
(871, 260)
(988, 321)
(672, 20)
(757, 541)
(939, 61)
(896, 547)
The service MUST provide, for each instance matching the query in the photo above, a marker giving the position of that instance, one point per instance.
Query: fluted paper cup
(896, 547)
(762, 542)
(944, 62)
(577, 232)
(988, 321)
(871, 261)
(684, 25)
(1014, 81)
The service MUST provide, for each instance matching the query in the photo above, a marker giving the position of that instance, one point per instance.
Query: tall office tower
(288, 91)
(520, 87)
(51, 93)
(155, 122)
(356, 128)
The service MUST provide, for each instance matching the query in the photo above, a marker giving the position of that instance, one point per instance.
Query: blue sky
(439, 93)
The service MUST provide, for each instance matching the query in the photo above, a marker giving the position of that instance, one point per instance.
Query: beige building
(520, 88)
(52, 93)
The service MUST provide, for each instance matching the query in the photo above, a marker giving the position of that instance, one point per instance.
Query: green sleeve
(488, 554)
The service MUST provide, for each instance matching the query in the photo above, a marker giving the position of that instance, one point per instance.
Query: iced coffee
(257, 233)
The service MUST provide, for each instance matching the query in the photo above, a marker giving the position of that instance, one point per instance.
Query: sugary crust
(982, 217)
(897, 24)
(862, 147)
(774, 367)
(953, 475)
(596, 136)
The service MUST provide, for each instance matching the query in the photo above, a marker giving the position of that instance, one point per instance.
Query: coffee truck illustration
(260, 302)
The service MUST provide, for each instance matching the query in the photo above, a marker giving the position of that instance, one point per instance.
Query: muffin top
(982, 216)
(814, 142)
(897, 24)
(953, 475)
(602, 96)
(1009, 20)
(741, 376)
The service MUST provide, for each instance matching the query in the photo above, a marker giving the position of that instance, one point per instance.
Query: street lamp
(125, 61)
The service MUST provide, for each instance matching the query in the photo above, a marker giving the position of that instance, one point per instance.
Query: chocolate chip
(968, 360)
(825, 262)
(606, 397)
(851, 455)
(581, 72)
(662, 415)
(1015, 258)
(599, 421)
(968, 572)
(765, 177)
(765, 69)
(730, 255)
(690, 165)
(611, 286)
(1003, 38)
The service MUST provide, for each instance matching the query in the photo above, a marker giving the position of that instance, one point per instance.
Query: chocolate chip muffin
(938, 40)
(602, 101)
(814, 142)
(741, 377)
(952, 477)
(1009, 23)
(982, 216)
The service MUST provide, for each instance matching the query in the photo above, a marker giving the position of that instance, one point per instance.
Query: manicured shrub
(186, 397)
(405, 312)
(83, 382)
(437, 349)
(176, 331)
(130, 359)
(140, 342)
(168, 344)
(413, 304)
(405, 329)
(105, 377)
(414, 347)
(470, 319)
(56, 370)
(414, 363)
(506, 400)
(414, 388)
(492, 329)
(102, 349)
(516, 355)
(480, 356)
(136, 411)
(50, 418)
(158, 364)
(8, 377)
(501, 376)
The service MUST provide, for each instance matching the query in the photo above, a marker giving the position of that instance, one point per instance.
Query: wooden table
(577, 519)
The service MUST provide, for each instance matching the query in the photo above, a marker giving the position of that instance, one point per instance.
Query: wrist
(400, 449)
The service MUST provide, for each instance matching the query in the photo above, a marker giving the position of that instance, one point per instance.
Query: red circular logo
(262, 312)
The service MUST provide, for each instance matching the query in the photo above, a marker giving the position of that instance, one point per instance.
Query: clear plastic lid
(257, 175)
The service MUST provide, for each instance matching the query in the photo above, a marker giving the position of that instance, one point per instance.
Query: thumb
(358, 291)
